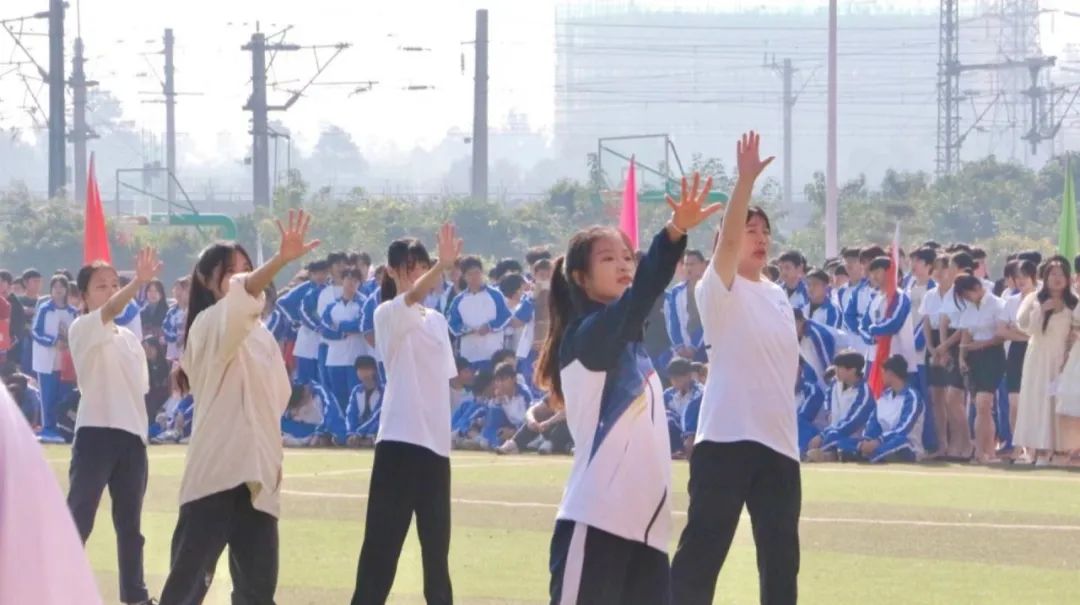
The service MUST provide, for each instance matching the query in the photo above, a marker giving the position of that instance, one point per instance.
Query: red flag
(628, 214)
(95, 238)
(884, 343)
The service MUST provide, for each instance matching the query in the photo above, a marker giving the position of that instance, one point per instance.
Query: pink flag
(628, 215)
(41, 557)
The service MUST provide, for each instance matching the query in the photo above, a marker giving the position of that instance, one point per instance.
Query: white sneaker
(545, 448)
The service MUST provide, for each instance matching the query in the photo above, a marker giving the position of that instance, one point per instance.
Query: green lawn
(948, 534)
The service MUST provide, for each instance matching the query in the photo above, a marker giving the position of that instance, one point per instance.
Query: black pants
(203, 530)
(405, 478)
(590, 566)
(723, 477)
(111, 457)
(558, 435)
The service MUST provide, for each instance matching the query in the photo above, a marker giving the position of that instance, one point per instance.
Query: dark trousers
(405, 478)
(558, 435)
(723, 477)
(111, 457)
(203, 530)
(590, 566)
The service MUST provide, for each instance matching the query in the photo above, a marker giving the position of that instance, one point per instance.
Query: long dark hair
(86, 273)
(565, 302)
(201, 297)
(153, 315)
(1044, 293)
(964, 283)
(402, 255)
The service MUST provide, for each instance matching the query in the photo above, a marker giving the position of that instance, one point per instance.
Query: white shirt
(478, 309)
(753, 363)
(1012, 308)
(110, 365)
(931, 307)
(414, 343)
(917, 292)
(330, 294)
(345, 351)
(241, 388)
(903, 340)
(982, 319)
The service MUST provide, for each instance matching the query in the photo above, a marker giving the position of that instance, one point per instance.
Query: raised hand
(749, 158)
(293, 245)
(147, 265)
(689, 211)
(449, 245)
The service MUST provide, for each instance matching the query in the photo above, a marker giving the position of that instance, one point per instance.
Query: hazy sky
(209, 61)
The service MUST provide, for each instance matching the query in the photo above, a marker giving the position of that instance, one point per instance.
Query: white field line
(357, 471)
(679, 513)
(1065, 476)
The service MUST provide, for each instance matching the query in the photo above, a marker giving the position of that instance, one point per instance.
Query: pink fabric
(42, 560)
(628, 214)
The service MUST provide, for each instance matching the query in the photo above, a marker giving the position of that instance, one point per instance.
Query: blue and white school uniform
(682, 407)
(131, 319)
(826, 314)
(299, 305)
(858, 305)
(798, 296)
(367, 330)
(48, 323)
(507, 412)
(329, 294)
(817, 348)
(677, 319)
(362, 413)
(526, 356)
(895, 320)
(617, 499)
(341, 321)
(333, 418)
(185, 410)
(469, 415)
(849, 409)
(172, 328)
(298, 425)
(813, 415)
(897, 423)
(472, 310)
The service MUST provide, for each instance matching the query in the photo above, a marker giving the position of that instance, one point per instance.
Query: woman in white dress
(1047, 316)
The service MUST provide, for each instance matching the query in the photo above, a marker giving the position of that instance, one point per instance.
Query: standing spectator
(341, 331)
(31, 284)
(53, 318)
(681, 311)
(820, 307)
(1020, 279)
(792, 271)
(982, 356)
(938, 360)
(478, 315)
(172, 327)
(154, 311)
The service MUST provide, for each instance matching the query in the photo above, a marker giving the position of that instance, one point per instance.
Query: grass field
(948, 534)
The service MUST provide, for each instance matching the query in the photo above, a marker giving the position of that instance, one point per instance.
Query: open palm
(748, 155)
(147, 265)
(449, 245)
(293, 236)
(690, 211)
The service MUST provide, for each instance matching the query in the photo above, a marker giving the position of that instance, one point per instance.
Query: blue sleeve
(168, 327)
(669, 394)
(367, 317)
(864, 329)
(858, 414)
(813, 399)
(873, 428)
(39, 334)
(352, 411)
(920, 337)
(909, 414)
(273, 323)
(453, 318)
(599, 338)
(674, 323)
(832, 316)
(502, 310)
(290, 303)
(851, 313)
(131, 311)
(525, 310)
(894, 319)
(308, 310)
(332, 423)
(326, 324)
(690, 417)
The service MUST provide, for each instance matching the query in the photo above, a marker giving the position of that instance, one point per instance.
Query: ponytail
(387, 289)
(560, 309)
(402, 256)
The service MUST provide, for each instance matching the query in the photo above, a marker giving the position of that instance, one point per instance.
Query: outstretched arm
(726, 255)
(147, 267)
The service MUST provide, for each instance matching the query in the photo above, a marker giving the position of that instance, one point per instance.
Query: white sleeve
(393, 322)
(712, 297)
(87, 333)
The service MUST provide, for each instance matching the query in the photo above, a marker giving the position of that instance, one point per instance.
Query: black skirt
(1014, 366)
(986, 368)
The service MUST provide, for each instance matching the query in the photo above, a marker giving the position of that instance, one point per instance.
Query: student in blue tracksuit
(683, 394)
(365, 401)
(478, 315)
(849, 407)
(506, 414)
(341, 321)
(173, 327)
(131, 318)
(467, 421)
(174, 426)
(49, 332)
(614, 522)
(817, 346)
(681, 313)
(329, 294)
(819, 307)
(306, 350)
(534, 331)
(302, 416)
(860, 295)
(792, 278)
(810, 403)
(331, 431)
(894, 430)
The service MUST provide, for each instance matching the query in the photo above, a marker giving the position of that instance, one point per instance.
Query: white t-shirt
(753, 363)
(241, 389)
(931, 307)
(110, 365)
(414, 343)
(982, 319)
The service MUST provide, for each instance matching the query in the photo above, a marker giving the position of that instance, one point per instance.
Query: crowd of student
(982, 368)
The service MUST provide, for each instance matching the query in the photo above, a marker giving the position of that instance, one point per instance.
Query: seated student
(503, 356)
(158, 369)
(506, 411)
(543, 426)
(26, 395)
(173, 424)
(467, 423)
(700, 372)
(309, 417)
(810, 403)
(817, 346)
(820, 307)
(331, 431)
(460, 384)
(894, 430)
(683, 392)
(849, 406)
(362, 413)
